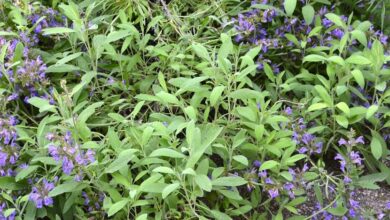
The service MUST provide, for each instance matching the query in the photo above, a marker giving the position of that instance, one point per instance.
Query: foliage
(189, 109)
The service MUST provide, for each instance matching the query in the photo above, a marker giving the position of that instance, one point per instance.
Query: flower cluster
(351, 162)
(40, 194)
(65, 149)
(307, 143)
(44, 18)
(263, 27)
(272, 186)
(93, 201)
(9, 150)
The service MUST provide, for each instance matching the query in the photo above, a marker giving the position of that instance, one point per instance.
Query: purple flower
(305, 167)
(256, 163)
(347, 180)
(70, 154)
(262, 174)
(355, 158)
(342, 141)
(343, 163)
(273, 192)
(269, 181)
(360, 139)
(302, 150)
(288, 111)
(40, 194)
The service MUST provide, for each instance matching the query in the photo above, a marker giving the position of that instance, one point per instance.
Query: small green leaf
(25, 172)
(57, 30)
(71, 186)
(343, 107)
(360, 36)
(229, 181)
(116, 207)
(169, 189)
(358, 75)
(166, 152)
(317, 106)
(371, 111)
(358, 60)
(163, 170)
(308, 13)
(241, 159)
(268, 165)
(335, 19)
(289, 6)
(203, 182)
(342, 120)
(201, 51)
(324, 94)
(376, 147)
(122, 160)
(216, 94)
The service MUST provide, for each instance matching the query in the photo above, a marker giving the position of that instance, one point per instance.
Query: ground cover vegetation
(174, 109)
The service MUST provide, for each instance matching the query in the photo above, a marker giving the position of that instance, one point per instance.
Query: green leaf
(335, 19)
(268, 165)
(71, 186)
(338, 211)
(9, 183)
(116, 207)
(85, 80)
(42, 104)
(117, 117)
(317, 106)
(201, 51)
(210, 132)
(358, 60)
(229, 181)
(241, 159)
(166, 152)
(88, 112)
(142, 217)
(70, 11)
(57, 30)
(68, 58)
(203, 182)
(61, 68)
(376, 147)
(25, 172)
(371, 111)
(289, 6)
(216, 94)
(295, 158)
(167, 98)
(122, 160)
(308, 13)
(314, 58)
(360, 36)
(341, 120)
(324, 94)
(116, 35)
(359, 78)
(343, 107)
(163, 170)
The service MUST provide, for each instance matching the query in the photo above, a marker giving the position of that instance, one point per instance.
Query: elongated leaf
(289, 6)
(229, 181)
(122, 160)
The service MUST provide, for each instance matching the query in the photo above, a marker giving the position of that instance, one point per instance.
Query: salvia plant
(174, 109)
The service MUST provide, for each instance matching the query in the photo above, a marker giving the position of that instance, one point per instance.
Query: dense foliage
(220, 109)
